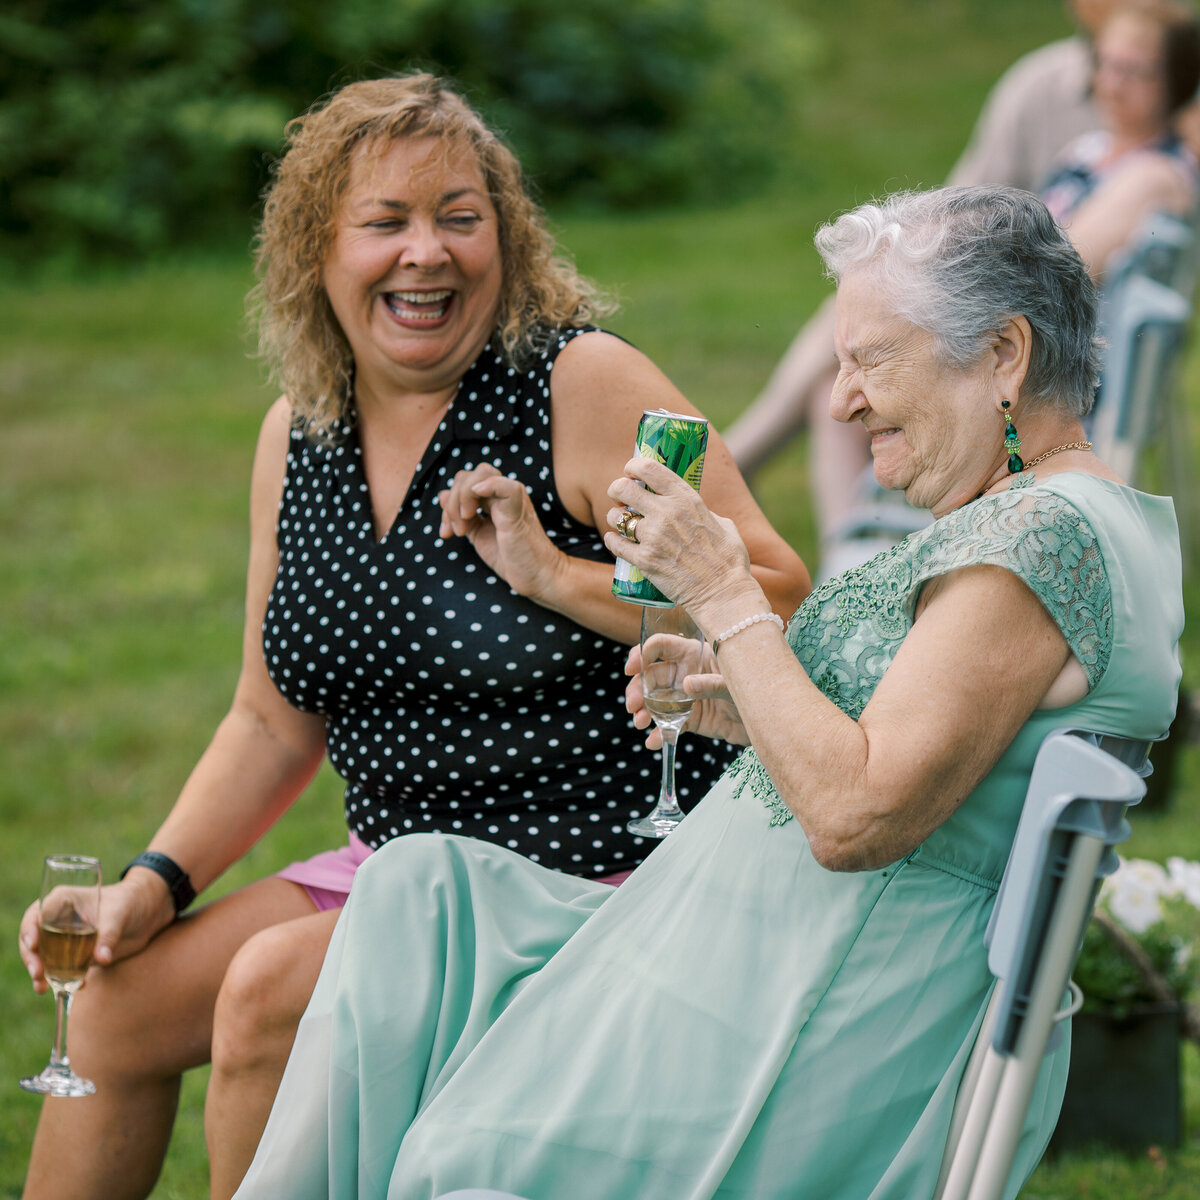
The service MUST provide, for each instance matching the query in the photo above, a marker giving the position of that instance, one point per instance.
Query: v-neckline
(429, 455)
(483, 410)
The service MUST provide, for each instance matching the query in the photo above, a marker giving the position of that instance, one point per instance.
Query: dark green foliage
(123, 125)
(134, 126)
(1110, 981)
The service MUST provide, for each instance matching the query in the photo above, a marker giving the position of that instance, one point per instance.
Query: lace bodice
(847, 632)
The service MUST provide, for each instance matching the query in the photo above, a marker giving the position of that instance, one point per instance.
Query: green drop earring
(1012, 443)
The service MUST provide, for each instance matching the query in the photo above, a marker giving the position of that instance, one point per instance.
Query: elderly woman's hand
(714, 715)
(495, 514)
(686, 550)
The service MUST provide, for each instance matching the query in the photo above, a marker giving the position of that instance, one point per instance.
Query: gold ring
(627, 524)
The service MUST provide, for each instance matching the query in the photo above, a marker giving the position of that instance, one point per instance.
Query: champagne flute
(68, 912)
(672, 649)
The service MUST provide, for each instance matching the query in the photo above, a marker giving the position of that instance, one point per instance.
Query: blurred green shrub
(133, 126)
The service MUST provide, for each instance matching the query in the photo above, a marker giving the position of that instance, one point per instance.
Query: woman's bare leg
(266, 989)
(838, 454)
(135, 1027)
(796, 393)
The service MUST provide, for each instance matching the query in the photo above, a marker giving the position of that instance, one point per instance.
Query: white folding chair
(1074, 814)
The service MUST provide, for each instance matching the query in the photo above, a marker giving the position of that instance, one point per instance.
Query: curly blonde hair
(298, 335)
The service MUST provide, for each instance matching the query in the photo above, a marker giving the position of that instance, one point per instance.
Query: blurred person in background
(1039, 105)
(428, 603)
(1106, 182)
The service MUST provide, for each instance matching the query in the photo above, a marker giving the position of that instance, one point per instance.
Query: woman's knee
(263, 995)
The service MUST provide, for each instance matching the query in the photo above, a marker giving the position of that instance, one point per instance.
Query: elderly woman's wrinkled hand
(686, 550)
(495, 514)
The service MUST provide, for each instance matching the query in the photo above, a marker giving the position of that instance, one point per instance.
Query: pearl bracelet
(774, 618)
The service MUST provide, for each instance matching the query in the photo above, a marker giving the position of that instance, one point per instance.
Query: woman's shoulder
(602, 372)
(295, 444)
(545, 342)
(1073, 530)
(1139, 528)
(1111, 570)
(1105, 501)
(988, 529)
(1048, 542)
(1070, 499)
(591, 345)
(1045, 533)
(545, 349)
(276, 429)
(270, 460)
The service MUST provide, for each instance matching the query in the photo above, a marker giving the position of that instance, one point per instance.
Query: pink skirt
(327, 877)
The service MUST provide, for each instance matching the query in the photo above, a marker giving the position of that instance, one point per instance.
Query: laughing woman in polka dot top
(428, 603)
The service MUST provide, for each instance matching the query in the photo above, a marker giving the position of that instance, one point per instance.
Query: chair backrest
(1081, 784)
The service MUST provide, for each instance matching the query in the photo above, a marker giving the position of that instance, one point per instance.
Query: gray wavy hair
(961, 262)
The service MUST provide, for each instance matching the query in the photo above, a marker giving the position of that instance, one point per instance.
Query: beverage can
(678, 442)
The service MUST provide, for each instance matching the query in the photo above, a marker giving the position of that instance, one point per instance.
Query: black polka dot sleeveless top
(452, 704)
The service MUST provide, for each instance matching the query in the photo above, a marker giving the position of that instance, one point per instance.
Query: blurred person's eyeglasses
(1135, 72)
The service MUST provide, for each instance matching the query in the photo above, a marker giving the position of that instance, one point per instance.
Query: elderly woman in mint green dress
(781, 1000)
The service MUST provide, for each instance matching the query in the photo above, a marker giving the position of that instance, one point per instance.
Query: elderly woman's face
(1129, 80)
(414, 271)
(933, 430)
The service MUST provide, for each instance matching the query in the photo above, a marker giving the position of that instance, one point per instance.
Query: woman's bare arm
(261, 756)
(1108, 219)
(599, 388)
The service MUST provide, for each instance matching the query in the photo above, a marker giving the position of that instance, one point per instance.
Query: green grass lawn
(129, 407)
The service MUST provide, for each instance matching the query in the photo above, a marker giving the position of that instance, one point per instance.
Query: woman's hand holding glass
(713, 713)
(671, 650)
(700, 561)
(131, 913)
(68, 918)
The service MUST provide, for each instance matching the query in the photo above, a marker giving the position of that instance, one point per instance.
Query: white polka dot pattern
(451, 703)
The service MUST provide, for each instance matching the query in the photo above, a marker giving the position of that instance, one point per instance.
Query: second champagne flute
(672, 649)
(68, 912)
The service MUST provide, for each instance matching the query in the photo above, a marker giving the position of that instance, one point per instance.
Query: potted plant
(1139, 970)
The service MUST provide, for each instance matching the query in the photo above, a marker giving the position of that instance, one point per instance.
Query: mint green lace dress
(734, 1020)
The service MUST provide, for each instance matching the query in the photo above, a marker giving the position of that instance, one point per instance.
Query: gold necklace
(1057, 450)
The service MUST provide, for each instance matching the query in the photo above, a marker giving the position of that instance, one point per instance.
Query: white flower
(1133, 891)
(1186, 878)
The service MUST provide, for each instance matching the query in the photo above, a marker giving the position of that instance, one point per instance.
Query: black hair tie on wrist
(171, 873)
